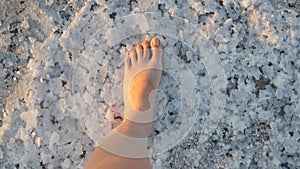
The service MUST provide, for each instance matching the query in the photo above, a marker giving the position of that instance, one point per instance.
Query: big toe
(156, 48)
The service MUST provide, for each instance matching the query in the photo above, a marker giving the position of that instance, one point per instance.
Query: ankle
(134, 129)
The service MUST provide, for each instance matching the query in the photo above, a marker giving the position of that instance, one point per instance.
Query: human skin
(142, 74)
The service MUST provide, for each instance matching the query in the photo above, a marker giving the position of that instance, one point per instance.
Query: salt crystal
(54, 138)
(1, 153)
(30, 118)
(38, 142)
(66, 163)
(49, 2)
(33, 134)
(246, 3)
(32, 39)
(88, 98)
(61, 105)
(25, 23)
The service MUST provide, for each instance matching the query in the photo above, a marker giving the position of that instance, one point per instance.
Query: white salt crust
(62, 65)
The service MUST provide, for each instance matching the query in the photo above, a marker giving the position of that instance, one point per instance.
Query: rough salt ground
(62, 80)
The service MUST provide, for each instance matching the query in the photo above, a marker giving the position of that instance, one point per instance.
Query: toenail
(156, 42)
(139, 47)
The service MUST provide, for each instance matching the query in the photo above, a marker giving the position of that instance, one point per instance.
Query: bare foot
(143, 69)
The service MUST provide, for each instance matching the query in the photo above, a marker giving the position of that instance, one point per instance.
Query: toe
(127, 62)
(139, 50)
(133, 56)
(156, 48)
(146, 48)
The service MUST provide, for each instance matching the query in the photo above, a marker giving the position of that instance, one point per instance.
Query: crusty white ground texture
(229, 95)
